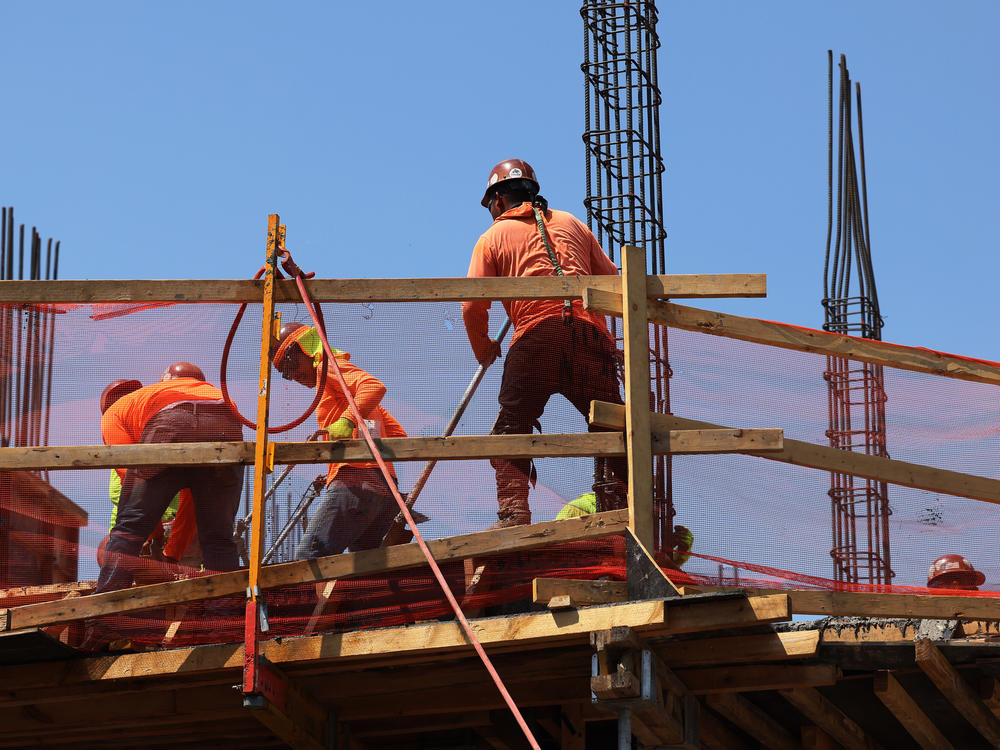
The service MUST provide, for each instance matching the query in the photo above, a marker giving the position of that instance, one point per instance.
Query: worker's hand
(342, 429)
(489, 355)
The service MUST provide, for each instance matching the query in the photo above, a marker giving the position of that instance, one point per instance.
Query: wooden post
(635, 332)
(275, 237)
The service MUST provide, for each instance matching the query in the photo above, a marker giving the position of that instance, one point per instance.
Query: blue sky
(153, 139)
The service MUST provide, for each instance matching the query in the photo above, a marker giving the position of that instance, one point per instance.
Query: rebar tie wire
(289, 267)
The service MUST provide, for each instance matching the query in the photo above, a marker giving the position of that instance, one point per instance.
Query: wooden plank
(962, 696)
(741, 679)
(800, 453)
(799, 644)
(635, 336)
(27, 594)
(752, 720)
(716, 734)
(814, 738)
(850, 603)
(803, 339)
(580, 593)
(404, 645)
(351, 564)
(821, 712)
(373, 290)
(455, 448)
(573, 730)
(299, 721)
(908, 713)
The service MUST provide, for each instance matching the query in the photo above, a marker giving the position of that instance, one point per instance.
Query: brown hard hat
(182, 370)
(509, 169)
(115, 390)
(278, 344)
(953, 571)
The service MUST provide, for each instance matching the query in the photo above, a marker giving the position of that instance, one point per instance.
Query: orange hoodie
(368, 392)
(126, 418)
(512, 246)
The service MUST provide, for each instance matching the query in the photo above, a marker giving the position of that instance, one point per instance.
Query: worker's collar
(520, 211)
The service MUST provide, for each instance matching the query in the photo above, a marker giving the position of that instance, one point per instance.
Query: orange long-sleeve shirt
(512, 246)
(367, 391)
(124, 421)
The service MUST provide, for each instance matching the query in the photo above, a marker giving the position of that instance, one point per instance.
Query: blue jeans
(355, 513)
(148, 490)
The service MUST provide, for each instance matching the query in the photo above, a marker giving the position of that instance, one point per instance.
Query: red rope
(459, 615)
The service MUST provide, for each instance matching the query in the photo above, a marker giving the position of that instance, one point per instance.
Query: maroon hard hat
(182, 370)
(115, 390)
(953, 572)
(509, 169)
(286, 337)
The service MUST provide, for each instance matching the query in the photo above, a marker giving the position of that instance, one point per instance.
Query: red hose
(223, 385)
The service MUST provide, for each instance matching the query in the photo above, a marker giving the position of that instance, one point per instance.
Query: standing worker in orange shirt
(557, 347)
(357, 507)
(182, 408)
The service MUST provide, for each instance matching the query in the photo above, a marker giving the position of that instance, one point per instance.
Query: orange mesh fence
(755, 522)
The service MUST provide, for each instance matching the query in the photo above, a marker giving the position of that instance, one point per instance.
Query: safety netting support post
(635, 335)
(256, 614)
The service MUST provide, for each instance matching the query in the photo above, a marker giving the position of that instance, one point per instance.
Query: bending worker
(181, 409)
(176, 528)
(557, 347)
(357, 507)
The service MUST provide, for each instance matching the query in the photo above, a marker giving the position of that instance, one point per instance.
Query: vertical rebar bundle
(26, 339)
(856, 390)
(624, 198)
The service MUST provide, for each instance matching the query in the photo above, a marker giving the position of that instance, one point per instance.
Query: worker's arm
(475, 313)
(366, 389)
(600, 263)
(183, 529)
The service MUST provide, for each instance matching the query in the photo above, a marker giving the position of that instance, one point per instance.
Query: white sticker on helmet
(515, 172)
(494, 178)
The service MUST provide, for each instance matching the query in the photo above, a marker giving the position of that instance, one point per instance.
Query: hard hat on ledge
(954, 572)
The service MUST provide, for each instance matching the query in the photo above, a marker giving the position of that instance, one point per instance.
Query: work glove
(489, 355)
(342, 429)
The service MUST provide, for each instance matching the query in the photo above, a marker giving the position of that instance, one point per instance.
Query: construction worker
(180, 409)
(954, 572)
(585, 504)
(357, 506)
(557, 347)
(174, 533)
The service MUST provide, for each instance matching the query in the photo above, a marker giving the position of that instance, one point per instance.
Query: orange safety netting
(773, 517)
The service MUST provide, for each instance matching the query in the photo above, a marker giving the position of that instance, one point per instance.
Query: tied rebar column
(26, 339)
(624, 198)
(856, 390)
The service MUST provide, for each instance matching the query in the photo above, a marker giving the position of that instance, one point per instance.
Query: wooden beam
(849, 603)
(752, 720)
(406, 645)
(822, 457)
(716, 734)
(456, 448)
(374, 290)
(635, 336)
(814, 738)
(298, 720)
(908, 713)
(348, 565)
(742, 679)
(579, 593)
(962, 696)
(798, 644)
(821, 712)
(803, 339)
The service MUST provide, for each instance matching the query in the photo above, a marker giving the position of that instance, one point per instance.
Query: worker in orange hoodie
(175, 531)
(557, 346)
(180, 409)
(357, 507)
